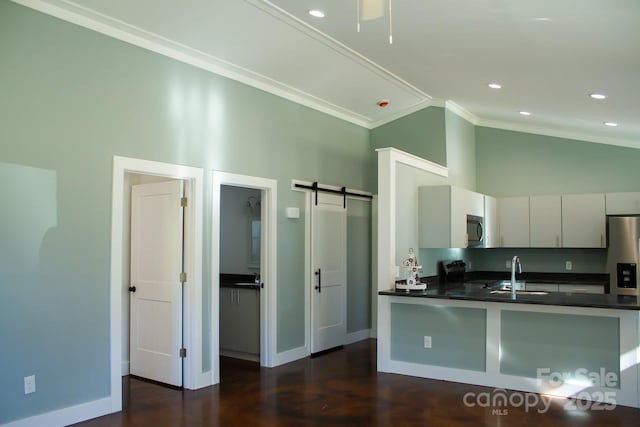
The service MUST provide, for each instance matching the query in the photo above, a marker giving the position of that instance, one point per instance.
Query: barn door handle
(319, 285)
(132, 288)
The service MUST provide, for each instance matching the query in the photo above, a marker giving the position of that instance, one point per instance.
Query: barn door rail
(344, 191)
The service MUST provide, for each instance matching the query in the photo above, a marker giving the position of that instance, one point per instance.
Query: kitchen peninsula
(478, 337)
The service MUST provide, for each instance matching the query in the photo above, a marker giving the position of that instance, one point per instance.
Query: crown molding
(103, 24)
(538, 130)
(398, 115)
(300, 25)
(87, 18)
(461, 112)
(557, 133)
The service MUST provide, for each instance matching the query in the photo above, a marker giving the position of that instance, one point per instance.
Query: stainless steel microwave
(475, 231)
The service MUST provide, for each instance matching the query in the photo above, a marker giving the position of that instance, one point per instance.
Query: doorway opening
(126, 170)
(243, 290)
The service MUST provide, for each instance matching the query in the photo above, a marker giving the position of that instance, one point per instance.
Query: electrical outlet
(507, 263)
(568, 265)
(469, 266)
(427, 341)
(30, 384)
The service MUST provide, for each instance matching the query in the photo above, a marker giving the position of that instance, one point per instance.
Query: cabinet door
(463, 202)
(547, 287)
(583, 221)
(582, 289)
(623, 203)
(545, 221)
(248, 321)
(491, 233)
(227, 318)
(513, 220)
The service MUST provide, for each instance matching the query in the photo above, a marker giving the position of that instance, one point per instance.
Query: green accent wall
(519, 164)
(71, 100)
(558, 342)
(359, 265)
(458, 335)
(551, 260)
(461, 151)
(422, 133)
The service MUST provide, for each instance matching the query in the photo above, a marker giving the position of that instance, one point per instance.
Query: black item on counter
(451, 272)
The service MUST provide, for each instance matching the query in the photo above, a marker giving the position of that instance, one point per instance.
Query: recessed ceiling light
(598, 95)
(542, 19)
(495, 86)
(611, 124)
(525, 113)
(317, 13)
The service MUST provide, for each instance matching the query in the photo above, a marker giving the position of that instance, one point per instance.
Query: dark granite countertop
(534, 277)
(243, 281)
(544, 298)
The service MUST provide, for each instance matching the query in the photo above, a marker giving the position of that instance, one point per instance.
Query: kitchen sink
(522, 292)
(505, 285)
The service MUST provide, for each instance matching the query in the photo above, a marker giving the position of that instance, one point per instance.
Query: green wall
(461, 151)
(422, 133)
(71, 100)
(458, 335)
(558, 342)
(518, 164)
(515, 164)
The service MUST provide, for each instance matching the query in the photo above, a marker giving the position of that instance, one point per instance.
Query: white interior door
(329, 268)
(156, 264)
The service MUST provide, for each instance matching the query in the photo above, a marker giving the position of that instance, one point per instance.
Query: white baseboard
(65, 416)
(290, 356)
(356, 336)
(125, 368)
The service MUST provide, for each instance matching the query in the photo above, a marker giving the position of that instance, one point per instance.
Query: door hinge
(183, 353)
(183, 202)
(183, 277)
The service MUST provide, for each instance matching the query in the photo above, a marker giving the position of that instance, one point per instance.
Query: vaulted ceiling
(548, 55)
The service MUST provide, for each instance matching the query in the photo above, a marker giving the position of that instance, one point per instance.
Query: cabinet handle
(319, 285)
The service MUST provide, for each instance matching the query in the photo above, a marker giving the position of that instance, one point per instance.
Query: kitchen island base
(591, 354)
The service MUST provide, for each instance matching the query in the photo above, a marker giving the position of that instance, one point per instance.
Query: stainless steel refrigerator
(623, 242)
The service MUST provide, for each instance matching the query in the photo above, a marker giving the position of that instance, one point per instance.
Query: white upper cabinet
(623, 203)
(545, 221)
(491, 232)
(583, 220)
(513, 222)
(443, 211)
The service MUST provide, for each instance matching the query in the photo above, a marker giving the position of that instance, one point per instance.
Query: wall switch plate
(568, 265)
(30, 384)
(427, 341)
(507, 263)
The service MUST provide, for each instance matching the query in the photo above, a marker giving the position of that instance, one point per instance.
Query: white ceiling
(549, 55)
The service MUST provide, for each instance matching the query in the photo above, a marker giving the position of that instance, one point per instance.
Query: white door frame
(194, 378)
(268, 249)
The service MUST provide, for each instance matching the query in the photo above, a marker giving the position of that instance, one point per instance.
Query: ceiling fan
(373, 9)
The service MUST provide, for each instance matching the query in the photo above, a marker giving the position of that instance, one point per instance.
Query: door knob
(132, 288)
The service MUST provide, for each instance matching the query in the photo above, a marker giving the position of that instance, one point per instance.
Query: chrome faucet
(514, 263)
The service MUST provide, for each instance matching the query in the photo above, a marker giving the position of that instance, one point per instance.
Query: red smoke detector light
(383, 103)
